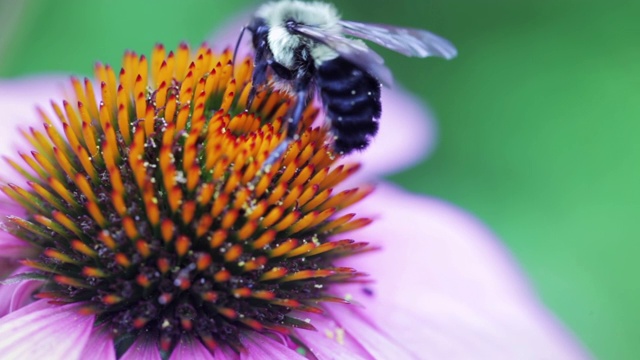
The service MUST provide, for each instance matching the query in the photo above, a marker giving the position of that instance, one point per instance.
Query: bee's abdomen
(352, 100)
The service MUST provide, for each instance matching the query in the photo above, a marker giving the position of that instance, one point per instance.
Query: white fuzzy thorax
(318, 14)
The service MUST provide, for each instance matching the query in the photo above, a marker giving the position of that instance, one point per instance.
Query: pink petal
(449, 332)
(7, 266)
(442, 264)
(99, 347)
(375, 342)
(41, 330)
(447, 328)
(431, 243)
(407, 136)
(331, 341)
(14, 296)
(18, 100)
(142, 349)
(226, 35)
(261, 347)
(12, 247)
(190, 349)
(10, 207)
(225, 353)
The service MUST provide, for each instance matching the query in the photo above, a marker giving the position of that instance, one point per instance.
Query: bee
(309, 50)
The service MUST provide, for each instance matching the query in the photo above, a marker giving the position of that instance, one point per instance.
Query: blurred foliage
(538, 121)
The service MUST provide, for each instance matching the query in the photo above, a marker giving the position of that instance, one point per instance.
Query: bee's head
(259, 29)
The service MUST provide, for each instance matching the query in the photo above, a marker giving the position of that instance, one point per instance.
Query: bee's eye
(290, 24)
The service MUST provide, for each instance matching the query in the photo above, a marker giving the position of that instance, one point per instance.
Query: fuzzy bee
(304, 45)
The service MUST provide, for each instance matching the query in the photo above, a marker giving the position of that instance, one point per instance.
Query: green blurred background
(538, 123)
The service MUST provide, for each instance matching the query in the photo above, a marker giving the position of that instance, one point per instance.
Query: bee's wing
(353, 51)
(409, 42)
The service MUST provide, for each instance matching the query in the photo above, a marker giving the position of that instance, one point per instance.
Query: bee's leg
(302, 92)
(296, 115)
(302, 78)
(260, 64)
(276, 154)
(235, 51)
(293, 121)
(260, 73)
(251, 97)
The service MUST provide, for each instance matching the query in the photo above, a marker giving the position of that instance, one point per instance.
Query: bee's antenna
(235, 51)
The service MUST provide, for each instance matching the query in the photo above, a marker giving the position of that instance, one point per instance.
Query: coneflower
(150, 207)
(151, 229)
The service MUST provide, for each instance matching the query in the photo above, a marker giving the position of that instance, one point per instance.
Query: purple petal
(7, 266)
(331, 341)
(226, 35)
(225, 353)
(100, 346)
(16, 295)
(375, 342)
(190, 349)
(142, 349)
(261, 347)
(18, 100)
(12, 248)
(407, 135)
(441, 264)
(41, 330)
(430, 243)
(449, 332)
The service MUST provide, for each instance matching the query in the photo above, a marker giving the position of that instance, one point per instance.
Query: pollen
(149, 202)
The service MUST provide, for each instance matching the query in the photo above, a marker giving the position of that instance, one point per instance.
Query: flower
(110, 227)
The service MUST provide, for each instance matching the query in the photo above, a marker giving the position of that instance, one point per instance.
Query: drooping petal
(261, 347)
(225, 353)
(18, 100)
(14, 296)
(430, 243)
(449, 328)
(7, 266)
(99, 347)
(142, 349)
(13, 248)
(439, 260)
(44, 331)
(374, 341)
(10, 246)
(331, 341)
